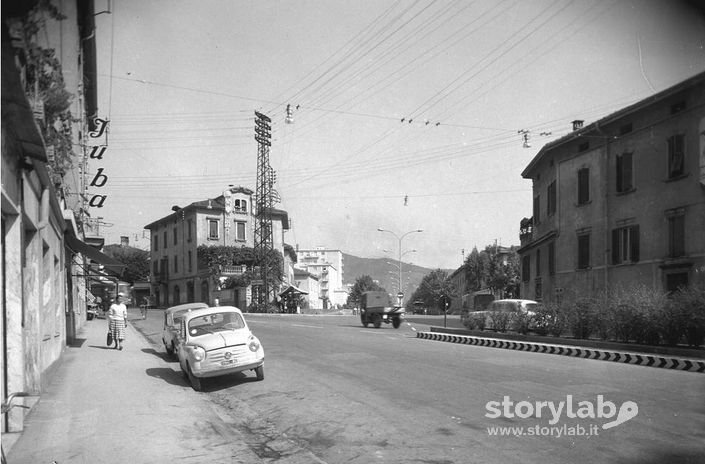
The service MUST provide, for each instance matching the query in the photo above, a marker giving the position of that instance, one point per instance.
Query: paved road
(349, 394)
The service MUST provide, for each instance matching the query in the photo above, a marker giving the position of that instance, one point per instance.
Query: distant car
(172, 323)
(216, 341)
(513, 307)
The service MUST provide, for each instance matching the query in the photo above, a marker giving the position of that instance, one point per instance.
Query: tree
(362, 284)
(475, 268)
(136, 261)
(433, 286)
(495, 267)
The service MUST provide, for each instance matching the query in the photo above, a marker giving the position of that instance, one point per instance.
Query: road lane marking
(309, 326)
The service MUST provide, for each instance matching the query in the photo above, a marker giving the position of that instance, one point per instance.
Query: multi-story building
(48, 53)
(327, 264)
(310, 284)
(177, 274)
(620, 201)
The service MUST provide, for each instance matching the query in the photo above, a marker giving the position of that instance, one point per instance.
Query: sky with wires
(407, 113)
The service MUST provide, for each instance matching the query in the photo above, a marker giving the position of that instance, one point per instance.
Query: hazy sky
(180, 81)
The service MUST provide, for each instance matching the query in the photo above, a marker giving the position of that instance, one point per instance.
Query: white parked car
(172, 324)
(509, 311)
(217, 341)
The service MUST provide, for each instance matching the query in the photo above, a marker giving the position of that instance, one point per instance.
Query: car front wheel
(195, 381)
(260, 372)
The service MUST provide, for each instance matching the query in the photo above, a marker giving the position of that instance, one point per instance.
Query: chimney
(124, 241)
(578, 124)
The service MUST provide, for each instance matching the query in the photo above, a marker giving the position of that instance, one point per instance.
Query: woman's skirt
(117, 327)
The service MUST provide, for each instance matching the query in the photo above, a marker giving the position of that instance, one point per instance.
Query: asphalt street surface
(344, 393)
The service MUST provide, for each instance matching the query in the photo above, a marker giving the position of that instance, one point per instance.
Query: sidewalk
(131, 406)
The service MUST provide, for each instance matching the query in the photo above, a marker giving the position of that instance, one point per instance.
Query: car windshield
(211, 323)
(532, 306)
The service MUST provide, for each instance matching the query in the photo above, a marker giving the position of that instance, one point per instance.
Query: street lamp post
(400, 295)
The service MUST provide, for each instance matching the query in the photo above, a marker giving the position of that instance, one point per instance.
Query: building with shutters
(620, 201)
(179, 276)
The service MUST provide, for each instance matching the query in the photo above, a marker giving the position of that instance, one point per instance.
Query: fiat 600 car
(172, 324)
(217, 341)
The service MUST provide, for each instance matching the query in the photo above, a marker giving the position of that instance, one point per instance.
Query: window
(676, 156)
(537, 209)
(176, 264)
(155, 267)
(552, 258)
(241, 206)
(676, 281)
(526, 268)
(176, 240)
(165, 242)
(240, 231)
(190, 261)
(583, 251)
(213, 229)
(676, 235)
(538, 262)
(583, 186)
(538, 289)
(625, 245)
(190, 230)
(551, 198)
(625, 129)
(155, 242)
(625, 181)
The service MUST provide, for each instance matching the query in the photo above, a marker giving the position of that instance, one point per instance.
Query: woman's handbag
(109, 341)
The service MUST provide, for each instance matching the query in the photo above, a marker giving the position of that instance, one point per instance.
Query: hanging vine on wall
(45, 85)
(216, 258)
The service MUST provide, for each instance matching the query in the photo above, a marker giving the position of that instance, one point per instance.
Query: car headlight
(253, 343)
(199, 354)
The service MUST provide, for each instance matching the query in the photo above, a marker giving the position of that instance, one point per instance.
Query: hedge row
(628, 315)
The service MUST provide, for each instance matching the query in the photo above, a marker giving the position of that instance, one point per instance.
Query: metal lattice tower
(264, 240)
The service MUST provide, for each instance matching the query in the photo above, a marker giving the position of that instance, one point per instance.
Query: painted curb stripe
(688, 365)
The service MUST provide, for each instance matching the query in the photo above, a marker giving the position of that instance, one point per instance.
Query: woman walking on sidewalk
(117, 320)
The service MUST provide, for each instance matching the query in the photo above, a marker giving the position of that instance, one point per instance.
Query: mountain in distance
(384, 271)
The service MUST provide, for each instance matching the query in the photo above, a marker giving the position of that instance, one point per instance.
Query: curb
(664, 362)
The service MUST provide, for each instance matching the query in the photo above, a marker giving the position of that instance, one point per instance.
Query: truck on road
(375, 309)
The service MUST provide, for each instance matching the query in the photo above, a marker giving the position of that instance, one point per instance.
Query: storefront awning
(293, 289)
(110, 265)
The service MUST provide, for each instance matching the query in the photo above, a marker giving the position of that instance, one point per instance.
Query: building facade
(327, 265)
(178, 276)
(621, 201)
(47, 51)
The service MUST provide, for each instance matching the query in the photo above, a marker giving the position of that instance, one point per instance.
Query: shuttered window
(583, 186)
(583, 251)
(625, 181)
(625, 245)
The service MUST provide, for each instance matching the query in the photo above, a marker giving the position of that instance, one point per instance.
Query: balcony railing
(233, 270)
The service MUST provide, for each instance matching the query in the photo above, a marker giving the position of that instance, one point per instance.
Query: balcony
(526, 230)
(233, 270)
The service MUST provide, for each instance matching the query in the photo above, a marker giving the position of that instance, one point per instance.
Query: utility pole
(264, 241)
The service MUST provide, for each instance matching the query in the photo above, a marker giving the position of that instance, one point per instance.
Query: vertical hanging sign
(97, 144)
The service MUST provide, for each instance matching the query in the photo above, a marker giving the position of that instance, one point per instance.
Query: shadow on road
(159, 354)
(168, 375)
(227, 381)
(102, 347)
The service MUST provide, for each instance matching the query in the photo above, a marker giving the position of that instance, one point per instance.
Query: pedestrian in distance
(117, 320)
